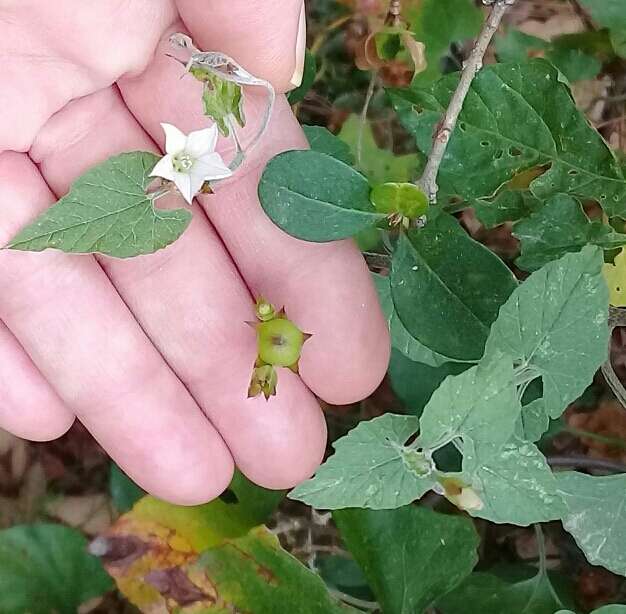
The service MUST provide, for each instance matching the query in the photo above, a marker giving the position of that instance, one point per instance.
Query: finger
(29, 407)
(326, 288)
(69, 319)
(56, 51)
(194, 306)
(267, 38)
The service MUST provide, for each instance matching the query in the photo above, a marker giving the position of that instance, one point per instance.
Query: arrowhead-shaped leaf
(107, 212)
(555, 326)
(372, 467)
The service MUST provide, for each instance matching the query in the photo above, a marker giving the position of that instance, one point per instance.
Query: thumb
(268, 38)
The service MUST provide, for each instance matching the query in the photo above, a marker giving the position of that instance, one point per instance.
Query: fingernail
(296, 79)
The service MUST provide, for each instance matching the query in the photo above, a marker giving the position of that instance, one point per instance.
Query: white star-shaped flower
(190, 160)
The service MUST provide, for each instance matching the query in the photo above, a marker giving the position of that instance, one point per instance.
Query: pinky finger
(29, 407)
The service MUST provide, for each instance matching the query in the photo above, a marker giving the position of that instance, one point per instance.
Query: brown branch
(474, 63)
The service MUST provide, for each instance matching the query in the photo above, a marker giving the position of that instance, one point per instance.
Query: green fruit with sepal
(403, 198)
(280, 342)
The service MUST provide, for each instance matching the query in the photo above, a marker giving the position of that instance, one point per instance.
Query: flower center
(182, 162)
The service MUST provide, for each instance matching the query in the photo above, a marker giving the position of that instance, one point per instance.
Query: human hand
(153, 354)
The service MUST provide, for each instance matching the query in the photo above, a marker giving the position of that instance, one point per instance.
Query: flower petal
(197, 181)
(201, 142)
(183, 183)
(175, 140)
(211, 166)
(163, 168)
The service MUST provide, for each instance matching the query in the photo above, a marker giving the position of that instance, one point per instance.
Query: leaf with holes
(316, 197)
(440, 275)
(371, 467)
(515, 485)
(107, 212)
(555, 326)
(516, 117)
(596, 517)
(559, 227)
(507, 206)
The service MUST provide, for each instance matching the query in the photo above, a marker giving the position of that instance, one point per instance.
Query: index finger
(268, 38)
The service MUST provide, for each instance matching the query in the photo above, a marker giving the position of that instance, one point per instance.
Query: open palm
(153, 355)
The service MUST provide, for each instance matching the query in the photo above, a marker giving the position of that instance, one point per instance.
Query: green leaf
(310, 71)
(607, 13)
(45, 568)
(480, 404)
(315, 197)
(439, 24)
(401, 339)
(507, 206)
(555, 326)
(516, 117)
(415, 382)
(489, 594)
(514, 46)
(107, 212)
(371, 467)
(378, 165)
(515, 485)
(344, 574)
(559, 227)
(574, 63)
(411, 556)
(595, 516)
(124, 492)
(440, 275)
(322, 140)
(221, 99)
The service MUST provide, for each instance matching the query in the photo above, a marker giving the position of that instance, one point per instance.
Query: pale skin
(153, 354)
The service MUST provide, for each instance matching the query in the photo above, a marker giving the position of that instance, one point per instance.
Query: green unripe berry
(403, 198)
(280, 342)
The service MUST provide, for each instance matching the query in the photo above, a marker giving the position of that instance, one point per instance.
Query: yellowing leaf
(615, 277)
(209, 558)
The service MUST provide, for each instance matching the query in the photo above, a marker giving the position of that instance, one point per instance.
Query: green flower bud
(264, 310)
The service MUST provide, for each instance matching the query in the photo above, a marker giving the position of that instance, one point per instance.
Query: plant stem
(541, 548)
(444, 131)
(610, 441)
(585, 462)
(363, 118)
(368, 606)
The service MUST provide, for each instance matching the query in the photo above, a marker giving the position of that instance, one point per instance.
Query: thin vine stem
(474, 63)
(363, 118)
